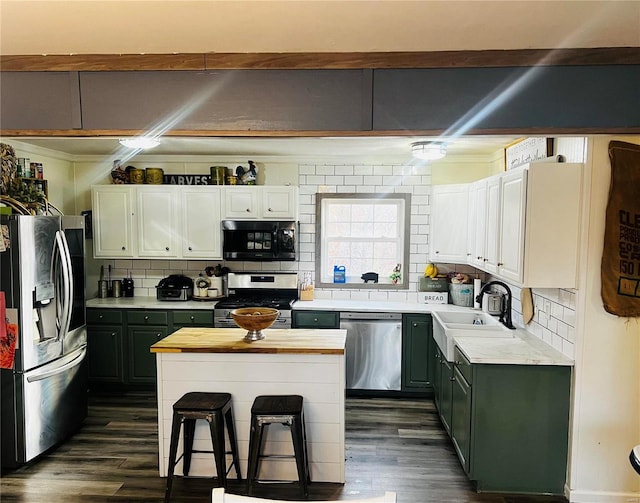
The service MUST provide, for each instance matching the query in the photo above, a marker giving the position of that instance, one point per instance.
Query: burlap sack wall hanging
(620, 269)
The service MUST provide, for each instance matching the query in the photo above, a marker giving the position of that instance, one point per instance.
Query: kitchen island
(305, 362)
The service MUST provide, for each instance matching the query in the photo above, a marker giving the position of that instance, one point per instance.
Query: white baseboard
(603, 497)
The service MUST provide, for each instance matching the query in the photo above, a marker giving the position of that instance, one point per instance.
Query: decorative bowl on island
(254, 320)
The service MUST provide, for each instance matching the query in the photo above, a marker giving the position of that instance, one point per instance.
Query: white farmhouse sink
(447, 326)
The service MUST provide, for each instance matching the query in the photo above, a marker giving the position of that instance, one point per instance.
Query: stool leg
(173, 449)
(297, 437)
(233, 441)
(255, 446)
(189, 432)
(217, 440)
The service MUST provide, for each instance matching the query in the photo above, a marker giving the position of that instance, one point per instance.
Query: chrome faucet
(505, 311)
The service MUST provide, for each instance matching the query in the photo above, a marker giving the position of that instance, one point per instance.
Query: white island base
(319, 376)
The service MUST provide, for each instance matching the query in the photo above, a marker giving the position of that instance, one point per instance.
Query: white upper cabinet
(449, 218)
(491, 237)
(201, 222)
(157, 226)
(179, 221)
(478, 221)
(526, 225)
(280, 203)
(260, 202)
(241, 203)
(113, 221)
(513, 194)
(552, 225)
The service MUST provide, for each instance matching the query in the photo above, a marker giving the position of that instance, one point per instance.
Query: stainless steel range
(278, 290)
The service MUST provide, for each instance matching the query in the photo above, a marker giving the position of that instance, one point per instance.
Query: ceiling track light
(140, 142)
(428, 150)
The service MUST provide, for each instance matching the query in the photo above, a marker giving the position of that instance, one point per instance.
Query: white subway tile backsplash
(325, 170)
(382, 170)
(363, 170)
(344, 170)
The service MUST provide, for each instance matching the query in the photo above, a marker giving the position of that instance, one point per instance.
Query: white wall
(57, 170)
(606, 395)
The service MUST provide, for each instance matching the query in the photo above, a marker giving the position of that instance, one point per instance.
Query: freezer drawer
(49, 404)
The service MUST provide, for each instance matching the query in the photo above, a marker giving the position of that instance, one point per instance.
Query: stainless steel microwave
(259, 240)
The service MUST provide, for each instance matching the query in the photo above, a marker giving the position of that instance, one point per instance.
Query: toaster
(175, 287)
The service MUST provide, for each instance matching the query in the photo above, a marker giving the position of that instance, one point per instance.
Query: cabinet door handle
(315, 320)
(452, 379)
(190, 249)
(269, 209)
(415, 325)
(100, 317)
(167, 248)
(113, 334)
(192, 318)
(500, 264)
(124, 248)
(437, 252)
(159, 336)
(146, 318)
(248, 210)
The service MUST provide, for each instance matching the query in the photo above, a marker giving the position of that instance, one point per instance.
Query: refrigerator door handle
(66, 288)
(63, 365)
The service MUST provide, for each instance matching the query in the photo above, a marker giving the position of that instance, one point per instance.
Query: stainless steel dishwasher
(373, 350)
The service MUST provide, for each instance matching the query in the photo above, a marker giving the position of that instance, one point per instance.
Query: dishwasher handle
(373, 316)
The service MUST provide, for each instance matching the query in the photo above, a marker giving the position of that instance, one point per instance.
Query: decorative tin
(218, 174)
(154, 176)
(136, 175)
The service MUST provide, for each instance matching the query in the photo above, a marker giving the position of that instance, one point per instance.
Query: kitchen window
(364, 233)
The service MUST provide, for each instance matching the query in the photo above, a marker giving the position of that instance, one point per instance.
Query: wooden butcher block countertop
(230, 340)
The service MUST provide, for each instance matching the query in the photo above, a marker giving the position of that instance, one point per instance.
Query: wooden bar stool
(215, 408)
(288, 411)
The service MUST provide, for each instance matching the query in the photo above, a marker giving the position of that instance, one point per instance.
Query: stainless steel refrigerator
(44, 395)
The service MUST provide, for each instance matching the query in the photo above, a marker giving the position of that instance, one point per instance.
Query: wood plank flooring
(392, 444)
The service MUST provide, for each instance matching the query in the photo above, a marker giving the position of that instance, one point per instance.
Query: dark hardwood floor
(392, 444)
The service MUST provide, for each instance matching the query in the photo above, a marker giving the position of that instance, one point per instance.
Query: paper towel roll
(477, 286)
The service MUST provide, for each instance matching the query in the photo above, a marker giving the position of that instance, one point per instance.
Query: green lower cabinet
(315, 319)
(436, 373)
(141, 362)
(517, 419)
(105, 346)
(192, 319)
(460, 429)
(446, 393)
(417, 348)
(105, 354)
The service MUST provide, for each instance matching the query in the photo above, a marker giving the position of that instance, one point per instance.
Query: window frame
(403, 284)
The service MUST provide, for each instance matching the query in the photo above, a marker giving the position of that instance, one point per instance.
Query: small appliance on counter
(175, 287)
(492, 303)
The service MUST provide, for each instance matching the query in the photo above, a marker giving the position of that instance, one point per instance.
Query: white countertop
(149, 303)
(373, 306)
(523, 349)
